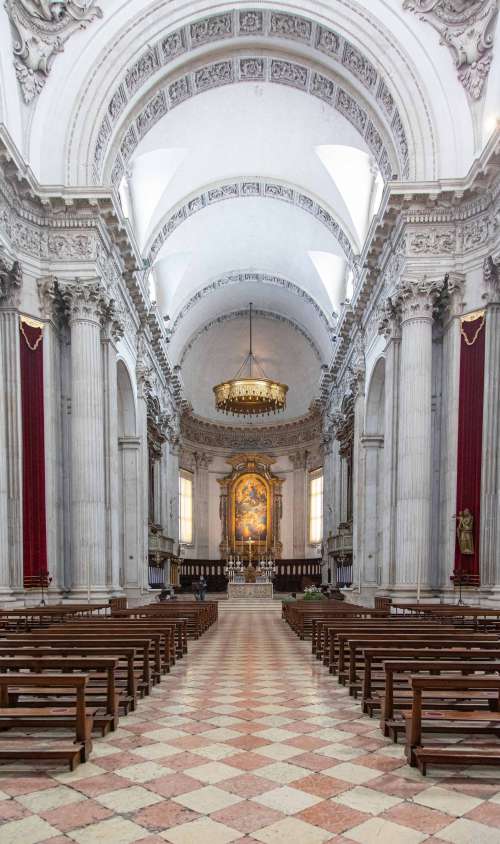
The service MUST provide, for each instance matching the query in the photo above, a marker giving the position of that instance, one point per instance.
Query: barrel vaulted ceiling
(249, 146)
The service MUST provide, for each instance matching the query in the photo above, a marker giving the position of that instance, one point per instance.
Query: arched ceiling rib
(260, 188)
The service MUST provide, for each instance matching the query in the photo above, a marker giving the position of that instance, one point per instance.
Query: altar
(249, 591)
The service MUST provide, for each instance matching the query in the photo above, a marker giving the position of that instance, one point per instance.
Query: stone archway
(372, 443)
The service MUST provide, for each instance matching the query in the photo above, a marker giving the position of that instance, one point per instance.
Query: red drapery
(470, 439)
(34, 527)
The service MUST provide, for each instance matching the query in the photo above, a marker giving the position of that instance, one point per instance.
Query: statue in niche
(465, 532)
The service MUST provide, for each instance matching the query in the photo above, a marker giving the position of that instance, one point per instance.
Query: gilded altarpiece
(250, 508)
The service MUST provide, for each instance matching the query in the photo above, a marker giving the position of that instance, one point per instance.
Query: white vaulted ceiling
(250, 146)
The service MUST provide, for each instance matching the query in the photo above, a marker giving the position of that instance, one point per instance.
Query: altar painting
(250, 510)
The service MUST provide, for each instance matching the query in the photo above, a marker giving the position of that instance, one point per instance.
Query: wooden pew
(475, 721)
(49, 749)
(379, 663)
(104, 699)
(396, 696)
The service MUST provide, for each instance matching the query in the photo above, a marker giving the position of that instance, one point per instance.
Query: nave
(248, 739)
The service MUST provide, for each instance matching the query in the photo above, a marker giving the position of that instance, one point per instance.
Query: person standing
(202, 588)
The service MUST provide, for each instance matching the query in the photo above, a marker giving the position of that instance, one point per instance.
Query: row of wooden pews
(78, 673)
(433, 678)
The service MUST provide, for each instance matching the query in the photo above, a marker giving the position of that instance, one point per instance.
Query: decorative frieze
(40, 31)
(211, 29)
(143, 68)
(468, 29)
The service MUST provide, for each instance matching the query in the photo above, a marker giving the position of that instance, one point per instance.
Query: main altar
(248, 583)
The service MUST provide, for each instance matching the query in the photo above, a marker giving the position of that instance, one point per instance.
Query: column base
(407, 593)
(11, 599)
(94, 595)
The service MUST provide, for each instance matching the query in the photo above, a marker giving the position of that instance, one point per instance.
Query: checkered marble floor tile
(247, 740)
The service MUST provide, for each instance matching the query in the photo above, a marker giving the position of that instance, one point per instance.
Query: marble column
(415, 299)
(490, 480)
(53, 454)
(11, 521)
(299, 462)
(390, 328)
(112, 332)
(88, 500)
(202, 462)
(328, 495)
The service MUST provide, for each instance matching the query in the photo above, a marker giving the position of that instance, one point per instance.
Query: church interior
(249, 421)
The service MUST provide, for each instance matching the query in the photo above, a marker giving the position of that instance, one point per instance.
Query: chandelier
(248, 395)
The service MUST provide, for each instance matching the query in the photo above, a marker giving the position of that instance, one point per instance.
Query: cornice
(51, 224)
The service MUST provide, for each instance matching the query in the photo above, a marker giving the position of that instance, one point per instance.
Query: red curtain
(470, 440)
(34, 526)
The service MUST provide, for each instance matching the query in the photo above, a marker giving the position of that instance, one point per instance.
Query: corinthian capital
(87, 301)
(416, 297)
(11, 279)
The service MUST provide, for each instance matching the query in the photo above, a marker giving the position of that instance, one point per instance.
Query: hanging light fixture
(248, 395)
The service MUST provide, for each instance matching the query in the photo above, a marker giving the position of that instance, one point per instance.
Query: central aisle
(249, 740)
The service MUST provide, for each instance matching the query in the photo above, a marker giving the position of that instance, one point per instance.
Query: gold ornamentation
(250, 396)
(472, 317)
(32, 323)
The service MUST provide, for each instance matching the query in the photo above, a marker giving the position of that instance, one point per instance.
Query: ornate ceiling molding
(263, 188)
(242, 313)
(237, 278)
(467, 27)
(282, 436)
(369, 87)
(40, 31)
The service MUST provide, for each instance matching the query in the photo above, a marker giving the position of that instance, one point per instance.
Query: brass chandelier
(247, 395)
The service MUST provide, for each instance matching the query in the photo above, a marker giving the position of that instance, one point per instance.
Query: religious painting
(250, 509)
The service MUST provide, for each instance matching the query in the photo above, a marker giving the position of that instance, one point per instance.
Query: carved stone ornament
(41, 29)
(467, 27)
(11, 279)
(417, 297)
(491, 278)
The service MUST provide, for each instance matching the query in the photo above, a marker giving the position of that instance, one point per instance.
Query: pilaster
(390, 327)
(202, 462)
(299, 462)
(11, 525)
(112, 332)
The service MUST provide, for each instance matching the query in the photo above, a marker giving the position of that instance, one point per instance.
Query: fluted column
(415, 299)
(490, 479)
(299, 463)
(391, 329)
(11, 523)
(328, 500)
(358, 471)
(88, 517)
(112, 331)
(372, 445)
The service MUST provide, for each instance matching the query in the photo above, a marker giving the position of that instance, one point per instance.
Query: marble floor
(248, 740)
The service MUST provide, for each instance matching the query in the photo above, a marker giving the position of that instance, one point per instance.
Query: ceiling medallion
(248, 395)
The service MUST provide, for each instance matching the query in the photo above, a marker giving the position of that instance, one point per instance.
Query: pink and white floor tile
(248, 740)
